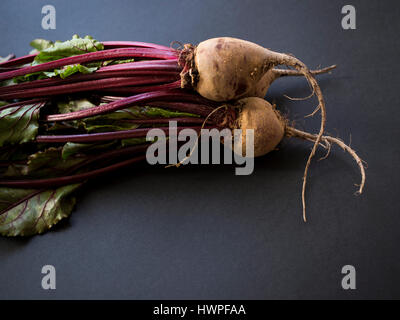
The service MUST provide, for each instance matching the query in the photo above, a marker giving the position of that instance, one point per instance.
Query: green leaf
(146, 112)
(113, 62)
(47, 163)
(138, 112)
(74, 105)
(131, 113)
(3, 103)
(41, 44)
(116, 121)
(113, 121)
(26, 212)
(95, 126)
(30, 77)
(49, 51)
(68, 106)
(71, 69)
(68, 48)
(64, 72)
(9, 196)
(19, 124)
(64, 127)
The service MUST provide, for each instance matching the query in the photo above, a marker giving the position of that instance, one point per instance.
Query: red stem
(104, 136)
(93, 56)
(141, 89)
(163, 65)
(107, 45)
(21, 103)
(196, 108)
(18, 61)
(109, 154)
(87, 86)
(59, 181)
(124, 44)
(106, 72)
(165, 120)
(174, 95)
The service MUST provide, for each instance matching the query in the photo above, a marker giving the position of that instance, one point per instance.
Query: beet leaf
(25, 212)
(65, 49)
(46, 163)
(19, 124)
(49, 51)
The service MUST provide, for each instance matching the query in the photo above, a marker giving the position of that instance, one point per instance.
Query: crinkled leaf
(47, 163)
(19, 124)
(31, 77)
(26, 212)
(41, 44)
(68, 48)
(64, 72)
(71, 69)
(74, 105)
(3, 103)
(71, 106)
(49, 51)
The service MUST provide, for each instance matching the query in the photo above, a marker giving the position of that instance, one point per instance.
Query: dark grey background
(201, 232)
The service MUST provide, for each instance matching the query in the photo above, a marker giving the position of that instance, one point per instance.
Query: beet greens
(73, 110)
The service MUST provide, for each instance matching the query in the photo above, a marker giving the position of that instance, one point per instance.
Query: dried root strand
(287, 72)
(327, 140)
(302, 68)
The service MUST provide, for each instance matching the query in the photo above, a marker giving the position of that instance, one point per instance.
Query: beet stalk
(91, 57)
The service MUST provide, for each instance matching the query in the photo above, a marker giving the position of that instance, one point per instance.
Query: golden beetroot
(259, 115)
(223, 69)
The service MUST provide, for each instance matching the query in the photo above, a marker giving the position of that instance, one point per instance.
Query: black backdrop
(201, 232)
